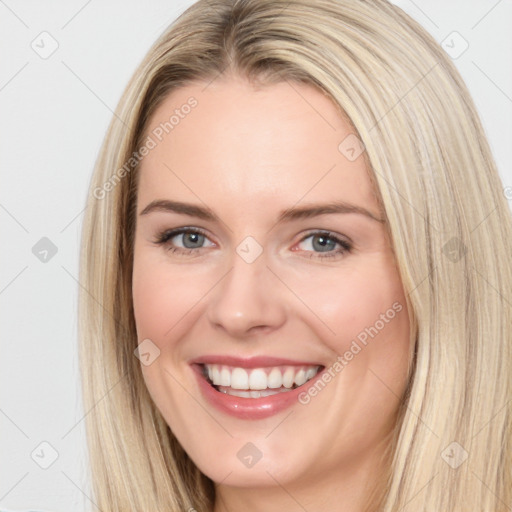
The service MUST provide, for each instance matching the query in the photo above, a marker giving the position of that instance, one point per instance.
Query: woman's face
(260, 262)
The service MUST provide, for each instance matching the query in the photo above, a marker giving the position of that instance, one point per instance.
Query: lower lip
(249, 408)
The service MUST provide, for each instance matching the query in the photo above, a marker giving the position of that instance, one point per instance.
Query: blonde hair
(448, 220)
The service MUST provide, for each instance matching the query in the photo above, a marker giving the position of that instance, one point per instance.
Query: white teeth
(238, 392)
(258, 382)
(311, 373)
(225, 377)
(216, 374)
(288, 377)
(275, 379)
(300, 378)
(239, 379)
(250, 394)
(258, 379)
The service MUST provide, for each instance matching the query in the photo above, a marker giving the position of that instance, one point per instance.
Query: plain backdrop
(55, 109)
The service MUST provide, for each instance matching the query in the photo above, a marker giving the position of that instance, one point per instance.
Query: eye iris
(197, 240)
(324, 242)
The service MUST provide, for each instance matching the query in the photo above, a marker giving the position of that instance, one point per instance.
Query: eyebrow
(289, 214)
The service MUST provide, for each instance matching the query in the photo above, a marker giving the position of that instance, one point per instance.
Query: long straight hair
(447, 217)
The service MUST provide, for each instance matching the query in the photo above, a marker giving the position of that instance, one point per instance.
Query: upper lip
(251, 362)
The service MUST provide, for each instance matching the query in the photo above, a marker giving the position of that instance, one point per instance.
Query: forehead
(229, 143)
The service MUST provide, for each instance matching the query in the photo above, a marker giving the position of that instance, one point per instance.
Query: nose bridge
(248, 296)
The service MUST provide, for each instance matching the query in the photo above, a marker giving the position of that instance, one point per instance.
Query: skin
(247, 154)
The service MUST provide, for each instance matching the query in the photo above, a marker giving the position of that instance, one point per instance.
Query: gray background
(54, 113)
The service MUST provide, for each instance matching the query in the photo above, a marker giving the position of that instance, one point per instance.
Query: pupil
(323, 242)
(196, 239)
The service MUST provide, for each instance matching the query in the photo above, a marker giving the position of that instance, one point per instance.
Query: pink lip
(249, 408)
(251, 362)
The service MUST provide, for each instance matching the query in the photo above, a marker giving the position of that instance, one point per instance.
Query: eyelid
(330, 234)
(167, 234)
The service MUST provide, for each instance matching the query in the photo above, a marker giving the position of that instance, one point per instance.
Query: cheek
(351, 301)
(364, 321)
(153, 302)
(163, 300)
(164, 297)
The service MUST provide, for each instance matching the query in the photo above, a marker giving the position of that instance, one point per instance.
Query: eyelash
(164, 237)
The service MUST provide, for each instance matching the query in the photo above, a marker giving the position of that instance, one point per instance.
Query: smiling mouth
(257, 382)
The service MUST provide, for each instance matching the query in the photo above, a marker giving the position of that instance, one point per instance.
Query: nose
(248, 300)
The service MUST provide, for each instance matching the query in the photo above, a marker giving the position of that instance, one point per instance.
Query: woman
(296, 272)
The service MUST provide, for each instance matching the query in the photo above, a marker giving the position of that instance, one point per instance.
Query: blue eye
(322, 243)
(191, 239)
